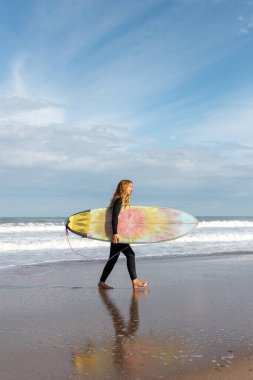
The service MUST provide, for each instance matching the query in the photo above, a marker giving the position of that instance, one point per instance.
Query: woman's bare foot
(102, 285)
(139, 284)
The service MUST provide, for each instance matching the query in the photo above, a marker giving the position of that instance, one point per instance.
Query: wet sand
(194, 322)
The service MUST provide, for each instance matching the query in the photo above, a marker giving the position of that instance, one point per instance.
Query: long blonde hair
(121, 192)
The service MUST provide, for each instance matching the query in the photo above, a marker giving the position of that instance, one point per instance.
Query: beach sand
(194, 322)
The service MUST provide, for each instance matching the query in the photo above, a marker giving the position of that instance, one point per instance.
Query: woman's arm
(115, 214)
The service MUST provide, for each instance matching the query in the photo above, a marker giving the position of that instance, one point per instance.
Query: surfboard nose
(186, 218)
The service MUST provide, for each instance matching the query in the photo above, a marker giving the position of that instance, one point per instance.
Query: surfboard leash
(72, 249)
(87, 257)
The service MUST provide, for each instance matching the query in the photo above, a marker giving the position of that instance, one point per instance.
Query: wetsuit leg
(130, 256)
(115, 248)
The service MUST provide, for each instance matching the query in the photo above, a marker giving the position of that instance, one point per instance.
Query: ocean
(26, 241)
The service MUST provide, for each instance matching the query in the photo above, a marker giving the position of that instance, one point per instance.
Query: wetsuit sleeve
(115, 213)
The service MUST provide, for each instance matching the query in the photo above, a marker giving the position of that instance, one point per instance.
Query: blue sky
(92, 92)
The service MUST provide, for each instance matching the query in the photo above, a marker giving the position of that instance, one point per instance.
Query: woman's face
(129, 188)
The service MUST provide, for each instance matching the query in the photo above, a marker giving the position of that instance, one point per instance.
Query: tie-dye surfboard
(136, 224)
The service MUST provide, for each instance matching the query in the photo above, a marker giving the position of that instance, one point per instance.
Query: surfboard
(136, 224)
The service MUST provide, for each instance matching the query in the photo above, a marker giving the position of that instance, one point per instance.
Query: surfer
(121, 198)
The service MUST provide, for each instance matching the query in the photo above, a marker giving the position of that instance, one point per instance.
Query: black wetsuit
(119, 247)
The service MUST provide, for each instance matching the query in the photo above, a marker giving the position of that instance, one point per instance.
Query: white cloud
(244, 31)
(22, 112)
(23, 159)
(246, 23)
(22, 106)
(230, 122)
(17, 85)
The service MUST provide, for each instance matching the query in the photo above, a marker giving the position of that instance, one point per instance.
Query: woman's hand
(115, 238)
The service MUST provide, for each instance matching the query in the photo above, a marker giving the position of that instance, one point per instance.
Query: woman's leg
(114, 255)
(114, 251)
(130, 256)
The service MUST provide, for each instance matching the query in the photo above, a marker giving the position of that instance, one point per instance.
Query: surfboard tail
(79, 223)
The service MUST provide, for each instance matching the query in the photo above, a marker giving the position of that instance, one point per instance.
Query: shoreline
(193, 322)
(190, 257)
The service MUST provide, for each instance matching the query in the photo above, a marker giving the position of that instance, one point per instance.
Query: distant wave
(217, 237)
(226, 224)
(31, 227)
(60, 243)
(59, 227)
(47, 244)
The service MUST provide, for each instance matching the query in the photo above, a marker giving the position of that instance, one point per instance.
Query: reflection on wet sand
(127, 355)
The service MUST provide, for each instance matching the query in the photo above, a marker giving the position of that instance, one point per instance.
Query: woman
(121, 198)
